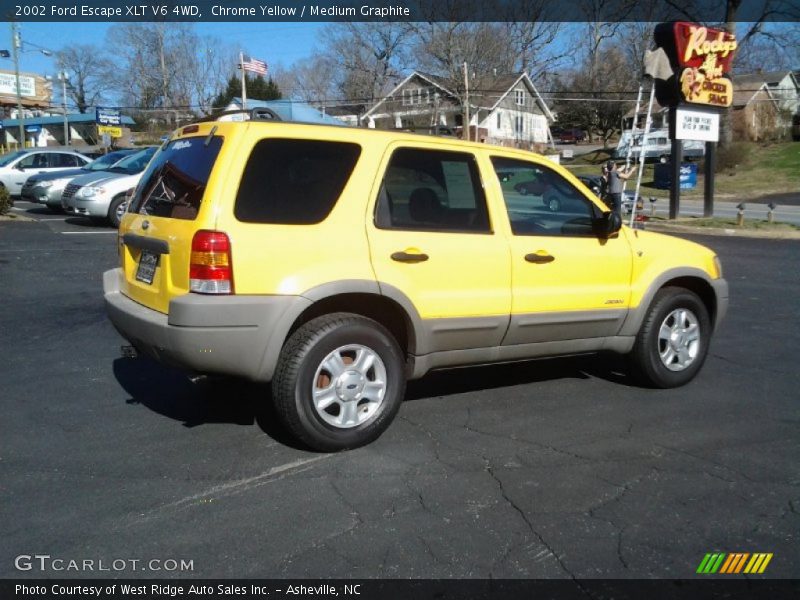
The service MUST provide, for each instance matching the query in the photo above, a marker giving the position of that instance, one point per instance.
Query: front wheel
(117, 209)
(672, 342)
(339, 382)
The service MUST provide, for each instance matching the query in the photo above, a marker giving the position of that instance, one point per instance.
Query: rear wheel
(339, 382)
(672, 342)
(117, 209)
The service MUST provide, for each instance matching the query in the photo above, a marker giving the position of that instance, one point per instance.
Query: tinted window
(59, 160)
(540, 201)
(105, 161)
(175, 180)
(135, 163)
(294, 182)
(37, 160)
(428, 190)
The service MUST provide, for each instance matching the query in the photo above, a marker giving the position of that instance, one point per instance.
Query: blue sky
(275, 43)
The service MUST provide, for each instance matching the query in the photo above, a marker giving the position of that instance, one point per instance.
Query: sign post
(697, 91)
(108, 124)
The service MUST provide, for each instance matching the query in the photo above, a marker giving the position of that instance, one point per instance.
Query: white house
(504, 109)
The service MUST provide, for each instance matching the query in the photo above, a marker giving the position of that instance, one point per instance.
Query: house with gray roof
(783, 88)
(504, 109)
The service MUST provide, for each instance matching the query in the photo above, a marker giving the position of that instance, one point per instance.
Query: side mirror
(19, 167)
(608, 224)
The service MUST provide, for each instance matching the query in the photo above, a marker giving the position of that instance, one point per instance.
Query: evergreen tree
(258, 88)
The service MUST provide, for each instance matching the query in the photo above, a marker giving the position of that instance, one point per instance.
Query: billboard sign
(701, 59)
(701, 125)
(8, 85)
(108, 116)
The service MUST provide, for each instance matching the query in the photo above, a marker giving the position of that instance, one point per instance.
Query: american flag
(254, 65)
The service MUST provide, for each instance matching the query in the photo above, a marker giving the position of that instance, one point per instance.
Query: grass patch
(769, 169)
(728, 223)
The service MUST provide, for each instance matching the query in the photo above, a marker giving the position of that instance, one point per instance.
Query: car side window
(540, 201)
(432, 190)
(60, 160)
(294, 182)
(32, 160)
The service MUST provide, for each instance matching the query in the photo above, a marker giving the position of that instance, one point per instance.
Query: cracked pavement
(549, 469)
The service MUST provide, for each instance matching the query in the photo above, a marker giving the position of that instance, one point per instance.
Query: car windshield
(135, 163)
(106, 161)
(9, 158)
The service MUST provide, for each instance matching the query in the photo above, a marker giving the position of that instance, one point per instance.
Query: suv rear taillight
(211, 268)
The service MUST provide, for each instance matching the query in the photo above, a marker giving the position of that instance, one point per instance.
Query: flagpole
(244, 84)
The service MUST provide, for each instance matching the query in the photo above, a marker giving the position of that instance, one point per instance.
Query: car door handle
(539, 258)
(410, 257)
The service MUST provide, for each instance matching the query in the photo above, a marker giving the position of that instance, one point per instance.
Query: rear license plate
(147, 267)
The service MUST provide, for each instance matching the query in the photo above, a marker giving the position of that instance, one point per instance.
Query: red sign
(701, 57)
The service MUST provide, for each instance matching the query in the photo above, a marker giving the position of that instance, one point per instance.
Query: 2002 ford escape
(338, 262)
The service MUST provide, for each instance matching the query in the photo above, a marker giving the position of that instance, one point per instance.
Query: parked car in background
(593, 182)
(46, 188)
(16, 167)
(101, 196)
(554, 194)
(571, 136)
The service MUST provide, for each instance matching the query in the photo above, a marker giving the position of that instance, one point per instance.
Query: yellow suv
(338, 263)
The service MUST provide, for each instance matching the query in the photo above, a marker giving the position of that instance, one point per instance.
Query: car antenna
(210, 135)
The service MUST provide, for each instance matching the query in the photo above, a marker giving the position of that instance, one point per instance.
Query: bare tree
(167, 69)
(310, 80)
(88, 73)
(370, 56)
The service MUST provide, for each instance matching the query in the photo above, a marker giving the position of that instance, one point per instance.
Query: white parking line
(61, 219)
(85, 232)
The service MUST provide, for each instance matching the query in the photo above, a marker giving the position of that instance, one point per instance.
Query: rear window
(294, 182)
(175, 180)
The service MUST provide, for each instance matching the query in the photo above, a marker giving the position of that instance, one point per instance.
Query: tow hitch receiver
(128, 352)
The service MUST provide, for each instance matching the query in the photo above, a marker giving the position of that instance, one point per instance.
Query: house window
(519, 125)
(498, 120)
(519, 97)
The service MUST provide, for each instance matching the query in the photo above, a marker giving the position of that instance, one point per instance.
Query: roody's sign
(701, 58)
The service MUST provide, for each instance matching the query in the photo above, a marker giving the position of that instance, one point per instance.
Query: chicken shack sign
(701, 58)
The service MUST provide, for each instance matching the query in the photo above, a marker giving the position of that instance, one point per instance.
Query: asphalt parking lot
(549, 469)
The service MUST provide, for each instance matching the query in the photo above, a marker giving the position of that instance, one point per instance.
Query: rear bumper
(232, 335)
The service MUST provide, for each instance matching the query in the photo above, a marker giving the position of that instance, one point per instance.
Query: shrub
(5, 200)
(733, 155)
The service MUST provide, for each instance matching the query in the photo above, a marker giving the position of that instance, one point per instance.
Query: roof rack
(255, 114)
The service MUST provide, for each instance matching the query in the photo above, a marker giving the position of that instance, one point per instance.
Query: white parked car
(102, 195)
(16, 167)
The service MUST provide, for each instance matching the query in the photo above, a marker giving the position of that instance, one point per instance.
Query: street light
(63, 77)
(16, 46)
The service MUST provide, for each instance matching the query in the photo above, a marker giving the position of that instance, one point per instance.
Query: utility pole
(16, 44)
(63, 77)
(466, 103)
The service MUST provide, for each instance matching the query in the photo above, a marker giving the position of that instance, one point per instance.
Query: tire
(357, 408)
(672, 342)
(553, 204)
(116, 209)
